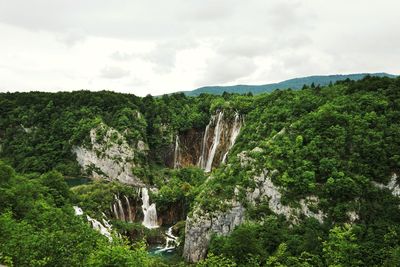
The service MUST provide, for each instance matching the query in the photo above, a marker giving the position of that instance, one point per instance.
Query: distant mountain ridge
(296, 83)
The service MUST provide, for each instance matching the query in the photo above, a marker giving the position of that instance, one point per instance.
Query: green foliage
(216, 261)
(341, 248)
(96, 197)
(120, 255)
(331, 142)
(38, 227)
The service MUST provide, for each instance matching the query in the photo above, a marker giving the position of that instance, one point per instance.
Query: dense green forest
(337, 143)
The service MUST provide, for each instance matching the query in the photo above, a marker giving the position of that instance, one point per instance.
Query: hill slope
(296, 83)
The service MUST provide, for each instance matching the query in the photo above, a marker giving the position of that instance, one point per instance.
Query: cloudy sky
(159, 46)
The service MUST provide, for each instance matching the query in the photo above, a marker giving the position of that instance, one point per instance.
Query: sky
(156, 47)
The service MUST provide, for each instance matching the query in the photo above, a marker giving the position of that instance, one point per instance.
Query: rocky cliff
(109, 156)
(200, 226)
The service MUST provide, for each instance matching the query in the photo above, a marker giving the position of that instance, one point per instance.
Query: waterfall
(223, 139)
(171, 241)
(78, 211)
(115, 211)
(100, 227)
(235, 132)
(204, 145)
(216, 139)
(176, 153)
(128, 204)
(103, 229)
(149, 211)
(121, 209)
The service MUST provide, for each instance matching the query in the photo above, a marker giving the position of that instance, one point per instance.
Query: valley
(285, 178)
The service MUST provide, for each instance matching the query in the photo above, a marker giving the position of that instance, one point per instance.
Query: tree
(341, 248)
(6, 173)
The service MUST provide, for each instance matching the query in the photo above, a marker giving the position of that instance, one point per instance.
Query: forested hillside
(288, 178)
(295, 84)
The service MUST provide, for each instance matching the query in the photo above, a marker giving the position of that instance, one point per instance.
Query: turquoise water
(170, 257)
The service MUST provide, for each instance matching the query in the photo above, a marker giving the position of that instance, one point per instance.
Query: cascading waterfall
(120, 213)
(117, 208)
(216, 139)
(100, 227)
(171, 241)
(128, 204)
(114, 210)
(149, 211)
(176, 153)
(78, 211)
(235, 132)
(222, 133)
(201, 162)
(121, 209)
(103, 229)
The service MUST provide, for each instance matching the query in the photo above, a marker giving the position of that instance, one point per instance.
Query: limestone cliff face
(110, 157)
(200, 227)
(187, 148)
(172, 214)
(207, 148)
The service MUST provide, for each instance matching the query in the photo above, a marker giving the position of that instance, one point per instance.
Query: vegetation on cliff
(334, 143)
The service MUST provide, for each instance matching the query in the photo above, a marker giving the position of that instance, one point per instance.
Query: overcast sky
(162, 46)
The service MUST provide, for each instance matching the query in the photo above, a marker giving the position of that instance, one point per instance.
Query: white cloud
(221, 69)
(113, 72)
(159, 46)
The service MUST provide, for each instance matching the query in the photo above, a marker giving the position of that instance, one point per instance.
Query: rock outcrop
(200, 226)
(110, 157)
(392, 185)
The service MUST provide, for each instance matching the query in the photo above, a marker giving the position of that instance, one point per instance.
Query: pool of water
(77, 181)
(170, 257)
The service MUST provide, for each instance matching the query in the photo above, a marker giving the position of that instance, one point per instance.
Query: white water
(149, 211)
(176, 153)
(202, 157)
(78, 211)
(115, 211)
(103, 229)
(221, 131)
(171, 241)
(100, 227)
(216, 139)
(128, 204)
(120, 209)
(235, 132)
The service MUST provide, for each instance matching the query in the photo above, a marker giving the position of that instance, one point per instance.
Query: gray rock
(110, 158)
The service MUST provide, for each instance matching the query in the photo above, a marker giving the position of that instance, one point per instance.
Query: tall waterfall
(128, 204)
(176, 153)
(223, 138)
(202, 158)
(216, 139)
(235, 132)
(121, 211)
(149, 211)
